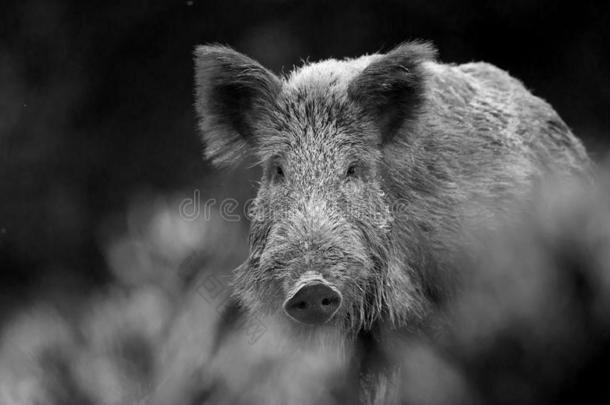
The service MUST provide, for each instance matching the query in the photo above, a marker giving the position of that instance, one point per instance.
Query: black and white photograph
(278, 202)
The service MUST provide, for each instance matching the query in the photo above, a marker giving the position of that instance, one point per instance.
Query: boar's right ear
(391, 89)
(232, 91)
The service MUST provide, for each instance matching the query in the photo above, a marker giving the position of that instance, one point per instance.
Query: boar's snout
(314, 303)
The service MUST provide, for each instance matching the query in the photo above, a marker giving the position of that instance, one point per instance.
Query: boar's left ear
(391, 89)
(232, 91)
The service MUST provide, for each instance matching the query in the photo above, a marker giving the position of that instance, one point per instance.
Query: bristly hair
(391, 89)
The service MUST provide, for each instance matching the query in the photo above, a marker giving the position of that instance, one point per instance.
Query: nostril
(331, 301)
(300, 305)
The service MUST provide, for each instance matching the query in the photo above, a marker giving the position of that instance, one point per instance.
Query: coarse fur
(373, 169)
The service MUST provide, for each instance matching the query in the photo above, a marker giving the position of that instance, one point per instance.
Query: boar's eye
(277, 172)
(352, 171)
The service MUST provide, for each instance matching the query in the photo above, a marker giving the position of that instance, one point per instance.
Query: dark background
(96, 100)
